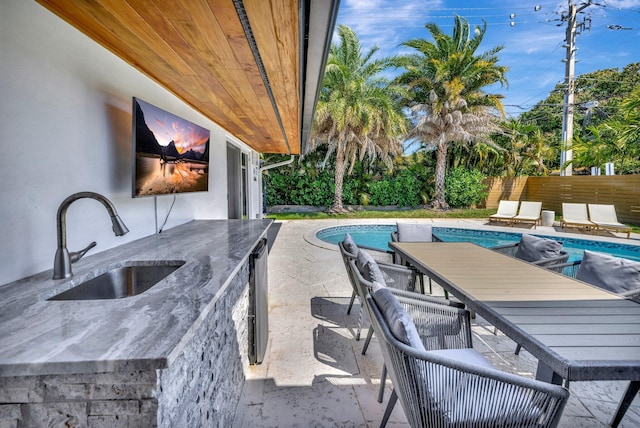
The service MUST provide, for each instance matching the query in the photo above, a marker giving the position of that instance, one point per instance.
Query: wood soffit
(198, 50)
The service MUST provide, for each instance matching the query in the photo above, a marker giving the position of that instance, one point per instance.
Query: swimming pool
(378, 235)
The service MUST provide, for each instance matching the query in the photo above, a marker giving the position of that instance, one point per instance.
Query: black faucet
(64, 259)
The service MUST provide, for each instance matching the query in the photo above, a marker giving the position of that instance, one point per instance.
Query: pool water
(378, 236)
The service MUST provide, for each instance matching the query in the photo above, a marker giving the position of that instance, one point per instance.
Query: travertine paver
(314, 374)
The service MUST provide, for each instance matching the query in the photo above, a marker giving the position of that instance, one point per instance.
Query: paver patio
(314, 374)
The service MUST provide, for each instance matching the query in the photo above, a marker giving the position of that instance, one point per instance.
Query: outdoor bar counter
(172, 355)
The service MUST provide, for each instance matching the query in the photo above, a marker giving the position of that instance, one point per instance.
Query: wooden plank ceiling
(198, 50)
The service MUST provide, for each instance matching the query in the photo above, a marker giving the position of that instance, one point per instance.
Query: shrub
(464, 188)
(304, 183)
(408, 189)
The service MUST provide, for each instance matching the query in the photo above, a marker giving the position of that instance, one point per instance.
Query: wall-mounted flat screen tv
(171, 154)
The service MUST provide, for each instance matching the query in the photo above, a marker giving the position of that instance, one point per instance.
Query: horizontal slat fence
(512, 188)
(622, 191)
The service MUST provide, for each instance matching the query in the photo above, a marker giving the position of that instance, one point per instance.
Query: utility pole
(569, 81)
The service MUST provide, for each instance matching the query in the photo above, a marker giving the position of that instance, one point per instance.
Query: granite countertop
(142, 332)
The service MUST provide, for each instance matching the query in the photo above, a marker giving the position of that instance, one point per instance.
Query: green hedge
(464, 188)
(410, 184)
(300, 187)
(294, 187)
(403, 190)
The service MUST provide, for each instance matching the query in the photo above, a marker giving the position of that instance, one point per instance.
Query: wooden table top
(580, 331)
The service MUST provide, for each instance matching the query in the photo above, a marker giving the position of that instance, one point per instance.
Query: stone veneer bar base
(201, 386)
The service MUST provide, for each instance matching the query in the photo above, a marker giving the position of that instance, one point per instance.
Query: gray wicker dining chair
(535, 250)
(349, 250)
(385, 273)
(365, 286)
(615, 274)
(569, 269)
(442, 332)
(538, 251)
(454, 387)
(410, 232)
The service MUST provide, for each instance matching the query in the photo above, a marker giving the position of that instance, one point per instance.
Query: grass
(417, 213)
(480, 213)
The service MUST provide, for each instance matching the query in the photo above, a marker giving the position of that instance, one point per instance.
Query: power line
(608, 19)
(435, 9)
(597, 79)
(574, 28)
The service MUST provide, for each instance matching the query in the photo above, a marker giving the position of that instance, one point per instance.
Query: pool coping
(478, 224)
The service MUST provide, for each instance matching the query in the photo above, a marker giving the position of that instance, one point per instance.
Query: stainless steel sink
(117, 283)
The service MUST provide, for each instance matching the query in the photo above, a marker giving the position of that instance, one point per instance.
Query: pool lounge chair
(507, 210)
(605, 218)
(529, 213)
(575, 215)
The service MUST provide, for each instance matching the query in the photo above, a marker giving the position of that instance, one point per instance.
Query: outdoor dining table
(577, 332)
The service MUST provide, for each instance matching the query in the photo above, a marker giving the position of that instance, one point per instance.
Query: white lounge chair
(605, 218)
(507, 210)
(575, 215)
(529, 213)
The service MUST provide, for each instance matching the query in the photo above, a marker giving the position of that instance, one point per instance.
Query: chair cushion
(532, 248)
(457, 401)
(369, 268)
(465, 355)
(375, 286)
(398, 321)
(611, 273)
(349, 244)
(410, 232)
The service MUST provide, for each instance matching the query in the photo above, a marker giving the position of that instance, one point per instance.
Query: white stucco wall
(65, 127)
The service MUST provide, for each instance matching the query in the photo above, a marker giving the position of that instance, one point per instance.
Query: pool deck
(314, 374)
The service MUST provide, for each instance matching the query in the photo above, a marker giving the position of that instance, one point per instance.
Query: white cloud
(534, 39)
(386, 23)
(533, 47)
(624, 4)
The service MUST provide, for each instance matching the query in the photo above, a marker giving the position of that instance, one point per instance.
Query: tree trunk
(440, 202)
(336, 206)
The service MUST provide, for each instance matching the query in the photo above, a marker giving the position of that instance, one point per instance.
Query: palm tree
(359, 113)
(526, 151)
(614, 140)
(593, 149)
(625, 127)
(448, 104)
(539, 150)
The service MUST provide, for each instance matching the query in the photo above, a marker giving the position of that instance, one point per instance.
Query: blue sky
(533, 46)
